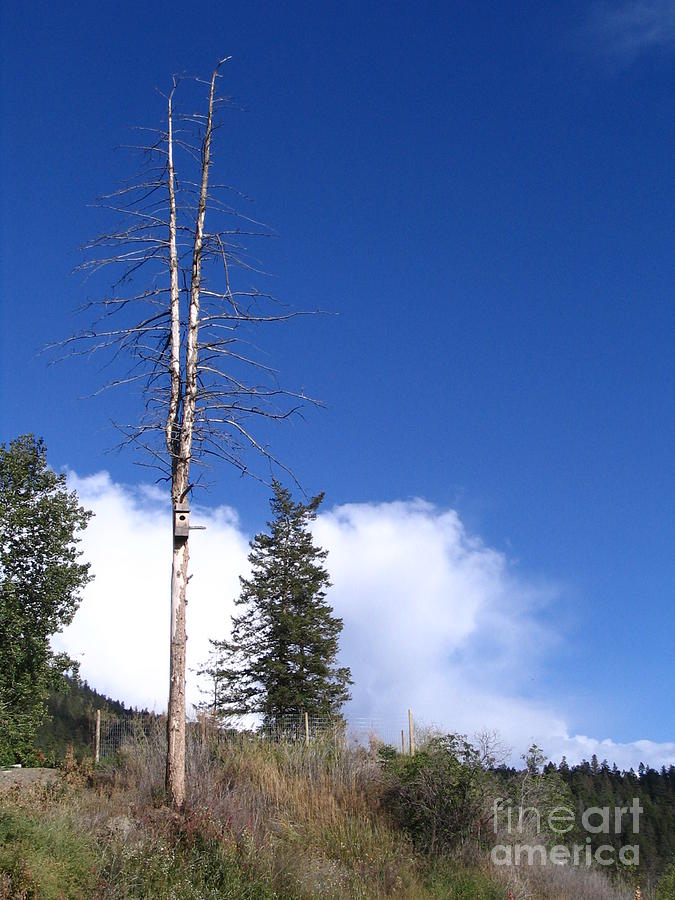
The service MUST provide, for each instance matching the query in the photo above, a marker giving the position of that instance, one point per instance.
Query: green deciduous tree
(40, 582)
(282, 656)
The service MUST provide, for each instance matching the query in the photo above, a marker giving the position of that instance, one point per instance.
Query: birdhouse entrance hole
(181, 520)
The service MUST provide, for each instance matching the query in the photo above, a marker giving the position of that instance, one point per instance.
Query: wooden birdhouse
(181, 520)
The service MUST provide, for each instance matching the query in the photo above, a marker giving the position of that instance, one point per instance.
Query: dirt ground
(10, 778)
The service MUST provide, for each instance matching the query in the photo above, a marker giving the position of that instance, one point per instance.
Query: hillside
(71, 715)
(281, 820)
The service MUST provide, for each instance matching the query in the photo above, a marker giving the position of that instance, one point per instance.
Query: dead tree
(184, 336)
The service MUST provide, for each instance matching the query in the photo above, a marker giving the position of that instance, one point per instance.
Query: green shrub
(665, 889)
(438, 795)
(447, 882)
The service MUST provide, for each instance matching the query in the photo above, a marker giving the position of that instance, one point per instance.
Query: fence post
(97, 737)
(306, 730)
(411, 736)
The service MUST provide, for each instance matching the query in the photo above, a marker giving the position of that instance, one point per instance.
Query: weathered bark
(171, 429)
(179, 431)
(175, 758)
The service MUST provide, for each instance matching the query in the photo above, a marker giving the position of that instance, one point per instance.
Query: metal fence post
(97, 738)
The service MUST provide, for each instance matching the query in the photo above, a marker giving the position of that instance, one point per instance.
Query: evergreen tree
(282, 657)
(614, 789)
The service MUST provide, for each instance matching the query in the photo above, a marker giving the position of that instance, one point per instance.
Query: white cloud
(626, 755)
(433, 618)
(122, 626)
(626, 30)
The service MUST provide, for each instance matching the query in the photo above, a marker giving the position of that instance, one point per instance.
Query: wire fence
(353, 731)
(112, 732)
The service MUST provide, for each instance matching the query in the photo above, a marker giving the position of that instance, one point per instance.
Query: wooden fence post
(306, 730)
(97, 738)
(411, 735)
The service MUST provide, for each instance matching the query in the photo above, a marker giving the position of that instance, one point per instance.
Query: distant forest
(598, 784)
(71, 716)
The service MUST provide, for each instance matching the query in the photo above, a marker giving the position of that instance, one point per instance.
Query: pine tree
(282, 657)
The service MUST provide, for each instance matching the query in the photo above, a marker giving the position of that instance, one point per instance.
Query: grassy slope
(263, 821)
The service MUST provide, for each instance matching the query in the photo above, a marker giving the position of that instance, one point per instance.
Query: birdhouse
(181, 520)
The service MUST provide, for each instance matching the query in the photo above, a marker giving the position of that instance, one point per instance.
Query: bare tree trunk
(195, 404)
(175, 759)
(180, 437)
(171, 428)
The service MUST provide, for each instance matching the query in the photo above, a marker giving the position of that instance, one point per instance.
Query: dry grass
(263, 820)
(307, 819)
(563, 883)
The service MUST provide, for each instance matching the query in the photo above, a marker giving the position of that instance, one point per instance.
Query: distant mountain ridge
(71, 719)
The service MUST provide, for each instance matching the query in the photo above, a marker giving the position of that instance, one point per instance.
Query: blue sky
(483, 194)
